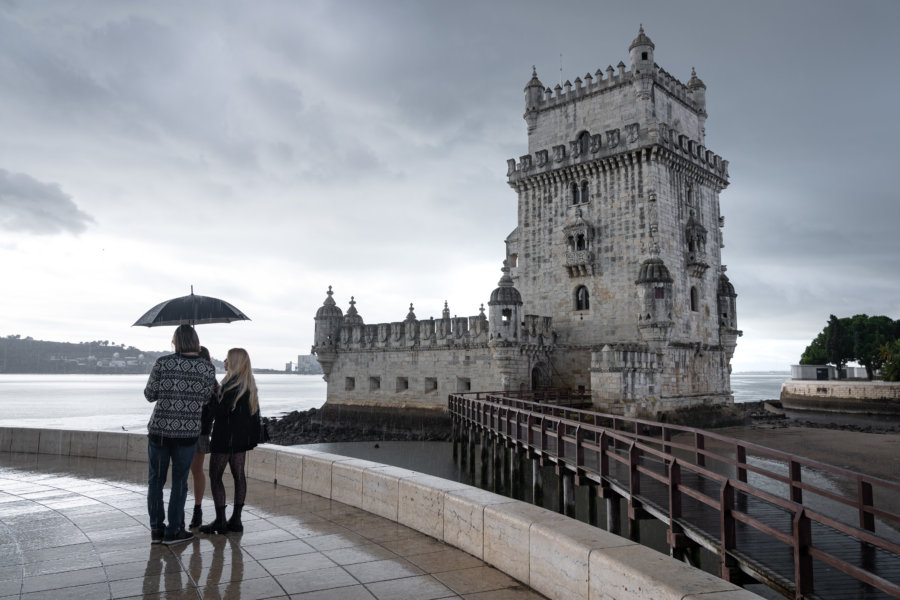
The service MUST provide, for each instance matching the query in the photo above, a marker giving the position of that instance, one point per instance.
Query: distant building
(308, 365)
(825, 372)
(612, 281)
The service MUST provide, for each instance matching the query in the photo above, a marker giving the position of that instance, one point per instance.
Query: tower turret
(697, 90)
(329, 319)
(503, 309)
(353, 317)
(641, 51)
(642, 73)
(534, 90)
(655, 321)
(727, 303)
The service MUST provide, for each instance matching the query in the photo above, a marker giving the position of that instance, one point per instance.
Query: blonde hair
(239, 375)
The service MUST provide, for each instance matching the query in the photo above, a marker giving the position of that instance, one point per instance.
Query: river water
(116, 402)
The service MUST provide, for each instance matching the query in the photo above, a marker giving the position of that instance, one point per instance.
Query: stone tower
(619, 236)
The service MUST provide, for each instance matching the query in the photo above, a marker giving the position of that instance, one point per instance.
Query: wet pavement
(77, 528)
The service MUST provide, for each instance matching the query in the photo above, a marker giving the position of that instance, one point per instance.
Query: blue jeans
(159, 456)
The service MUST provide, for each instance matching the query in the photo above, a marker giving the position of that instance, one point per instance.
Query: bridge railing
(618, 451)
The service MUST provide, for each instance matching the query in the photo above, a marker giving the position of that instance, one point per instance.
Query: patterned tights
(217, 462)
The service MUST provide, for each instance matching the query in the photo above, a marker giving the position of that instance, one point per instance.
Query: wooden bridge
(807, 529)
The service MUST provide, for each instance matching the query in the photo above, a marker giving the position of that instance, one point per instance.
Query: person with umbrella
(180, 384)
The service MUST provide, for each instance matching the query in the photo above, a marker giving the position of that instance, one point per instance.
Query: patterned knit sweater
(180, 385)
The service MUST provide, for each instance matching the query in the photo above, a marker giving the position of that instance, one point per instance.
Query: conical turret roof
(353, 317)
(329, 308)
(506, 292)
(654, 270)
(725, 287)
(534, 81)
(641, 40)
(695, 82)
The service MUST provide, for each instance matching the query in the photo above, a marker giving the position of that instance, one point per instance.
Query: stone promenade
(76, 528)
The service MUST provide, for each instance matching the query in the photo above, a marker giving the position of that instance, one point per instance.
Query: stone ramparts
(554, 555)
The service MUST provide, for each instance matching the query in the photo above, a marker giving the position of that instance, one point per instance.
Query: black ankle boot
(234, 523)
(217, 526)
(197, 519)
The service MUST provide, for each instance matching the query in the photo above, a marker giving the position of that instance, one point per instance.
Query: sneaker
(181, 536)
(156, 536)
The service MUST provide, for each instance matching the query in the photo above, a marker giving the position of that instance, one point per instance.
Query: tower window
(659, 293)
(582, 298)
(579, 242)
(374, 383)
(574, 193)
(506, 315)
(349, 384)
(402, 384)
(585, 193)
(430, 384)
(643, 56)
(695, 302)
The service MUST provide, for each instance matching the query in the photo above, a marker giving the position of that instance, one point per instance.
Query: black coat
(233, 430)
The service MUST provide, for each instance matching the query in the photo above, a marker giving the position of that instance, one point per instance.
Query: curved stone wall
(557, 556)
(864, 397)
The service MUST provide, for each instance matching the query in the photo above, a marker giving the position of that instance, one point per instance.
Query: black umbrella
(191, 310)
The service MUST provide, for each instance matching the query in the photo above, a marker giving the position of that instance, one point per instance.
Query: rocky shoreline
(310, 426)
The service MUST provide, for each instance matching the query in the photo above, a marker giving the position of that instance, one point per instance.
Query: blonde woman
(235, 430)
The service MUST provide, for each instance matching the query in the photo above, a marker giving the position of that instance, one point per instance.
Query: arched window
(574, 188)
(582, 298)
(695, 302)
(585, 192)
(579, 242)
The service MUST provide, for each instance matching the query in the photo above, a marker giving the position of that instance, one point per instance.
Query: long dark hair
(186, 340)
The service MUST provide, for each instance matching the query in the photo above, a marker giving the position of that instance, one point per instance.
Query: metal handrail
(569, 425)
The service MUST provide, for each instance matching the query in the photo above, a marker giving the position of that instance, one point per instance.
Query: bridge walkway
(779, 519)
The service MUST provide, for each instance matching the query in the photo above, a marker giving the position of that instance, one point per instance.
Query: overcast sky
(264, 151)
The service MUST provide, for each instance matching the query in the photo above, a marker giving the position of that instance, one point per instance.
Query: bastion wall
(870, 397)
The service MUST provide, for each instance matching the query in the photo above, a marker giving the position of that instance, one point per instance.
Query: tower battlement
(590, 150)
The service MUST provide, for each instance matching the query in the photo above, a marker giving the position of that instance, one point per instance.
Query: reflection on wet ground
(77, 528)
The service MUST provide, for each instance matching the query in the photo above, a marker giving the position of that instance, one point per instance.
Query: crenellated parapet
(595, 150)
(421, 334)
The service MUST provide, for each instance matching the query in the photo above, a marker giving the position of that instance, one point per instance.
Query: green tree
(869, 334)
(838, 344)
(890, 354)
(815, 353)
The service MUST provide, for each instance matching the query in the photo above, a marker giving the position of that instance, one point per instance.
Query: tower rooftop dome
(654, 270)
(641, 40)
(694, 81)
(329, 308)
(353, 317)
(725, 287)
(534, 81)
(506, 292)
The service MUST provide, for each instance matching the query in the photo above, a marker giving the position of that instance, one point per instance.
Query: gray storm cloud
(32, 206)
